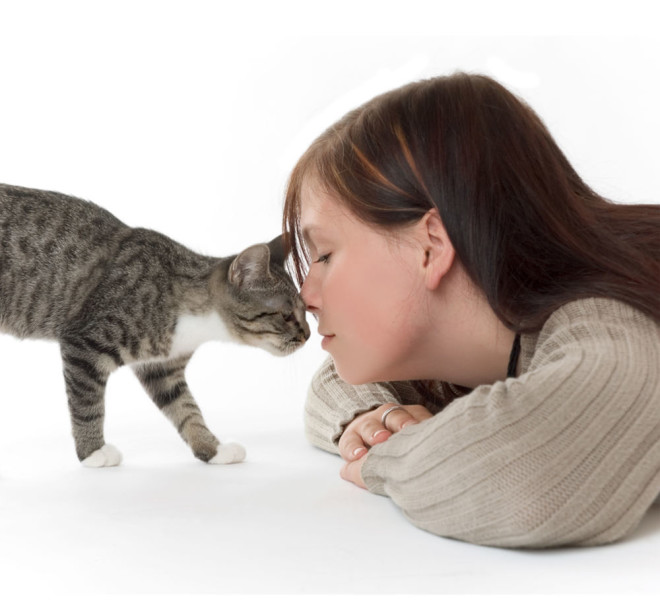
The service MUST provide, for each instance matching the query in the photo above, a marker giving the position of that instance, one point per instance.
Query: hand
(367, 430)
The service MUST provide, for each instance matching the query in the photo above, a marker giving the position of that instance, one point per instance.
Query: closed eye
(323, 258)
(289, 318)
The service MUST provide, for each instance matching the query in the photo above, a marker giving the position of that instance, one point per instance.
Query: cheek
(353, 289)
(375, 297)
(374, 308)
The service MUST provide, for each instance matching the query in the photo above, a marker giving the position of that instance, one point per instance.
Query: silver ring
(387, 412)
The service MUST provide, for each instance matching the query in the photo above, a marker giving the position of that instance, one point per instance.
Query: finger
(352, 472)
(371, 428)
(398, 419)
(351, 446)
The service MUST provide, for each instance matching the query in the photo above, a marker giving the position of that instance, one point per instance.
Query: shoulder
(597, 310)
(595, 331)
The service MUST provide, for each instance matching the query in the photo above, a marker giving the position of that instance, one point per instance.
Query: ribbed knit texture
(567, 453)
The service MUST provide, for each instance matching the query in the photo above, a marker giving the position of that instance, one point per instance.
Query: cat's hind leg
(166, 384)
(86, 373)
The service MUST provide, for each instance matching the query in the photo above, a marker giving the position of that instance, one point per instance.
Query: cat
(113, 295)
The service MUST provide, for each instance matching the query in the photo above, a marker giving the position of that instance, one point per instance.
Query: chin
(284, 349)
(276, 350)
(353, 376)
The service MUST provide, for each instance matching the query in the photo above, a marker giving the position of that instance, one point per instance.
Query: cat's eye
(289, 318)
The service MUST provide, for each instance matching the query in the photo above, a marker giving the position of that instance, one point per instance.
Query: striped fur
(114, 295)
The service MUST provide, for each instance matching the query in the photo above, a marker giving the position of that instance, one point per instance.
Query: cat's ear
(250, 266)
(278, 251)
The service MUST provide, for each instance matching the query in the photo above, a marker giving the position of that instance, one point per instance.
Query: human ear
(439, 253)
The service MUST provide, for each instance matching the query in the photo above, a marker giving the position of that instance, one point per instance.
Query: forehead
(320, 210)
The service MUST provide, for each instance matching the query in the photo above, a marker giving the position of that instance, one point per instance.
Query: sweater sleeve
(332, 404)
(566, 454)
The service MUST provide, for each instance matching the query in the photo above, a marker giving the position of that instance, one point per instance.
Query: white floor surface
(282, 522)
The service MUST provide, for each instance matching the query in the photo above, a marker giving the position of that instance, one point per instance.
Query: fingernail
(377, 434)
(359, 451)
(408, 423)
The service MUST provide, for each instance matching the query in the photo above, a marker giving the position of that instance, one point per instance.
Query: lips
(327, 338)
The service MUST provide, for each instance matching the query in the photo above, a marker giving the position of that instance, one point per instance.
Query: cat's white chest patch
(193, 330)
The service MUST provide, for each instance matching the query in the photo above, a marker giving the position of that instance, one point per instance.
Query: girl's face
(365, 288)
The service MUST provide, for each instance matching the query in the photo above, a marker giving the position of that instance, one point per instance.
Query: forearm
(528, 464)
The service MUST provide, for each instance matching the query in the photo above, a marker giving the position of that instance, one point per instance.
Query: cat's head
(264, 306)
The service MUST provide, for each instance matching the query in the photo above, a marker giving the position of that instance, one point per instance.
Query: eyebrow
(307, 231)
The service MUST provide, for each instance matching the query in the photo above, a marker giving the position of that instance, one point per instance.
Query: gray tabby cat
(114, 295)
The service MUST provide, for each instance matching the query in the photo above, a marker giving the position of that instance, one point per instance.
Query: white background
(187, 117)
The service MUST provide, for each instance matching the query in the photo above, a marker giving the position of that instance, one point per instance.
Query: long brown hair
(528, 231)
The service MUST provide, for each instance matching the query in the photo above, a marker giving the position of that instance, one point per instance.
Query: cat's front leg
(166, 384)
(86, 374)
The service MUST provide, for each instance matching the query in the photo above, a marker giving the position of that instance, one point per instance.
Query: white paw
(231, 452)
(106, 456)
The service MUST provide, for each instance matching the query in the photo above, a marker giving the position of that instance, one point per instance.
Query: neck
(199, 293)
(467, 344)
(191, 331)
(199, 319)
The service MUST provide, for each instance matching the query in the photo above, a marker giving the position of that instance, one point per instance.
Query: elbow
(513, 521)
(531, 514)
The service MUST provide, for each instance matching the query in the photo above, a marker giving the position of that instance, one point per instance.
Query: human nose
(310, 295)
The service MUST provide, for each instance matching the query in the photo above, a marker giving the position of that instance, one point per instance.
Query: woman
(493, 323)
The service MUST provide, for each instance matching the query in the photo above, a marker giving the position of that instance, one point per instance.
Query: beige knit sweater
(567, 453)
